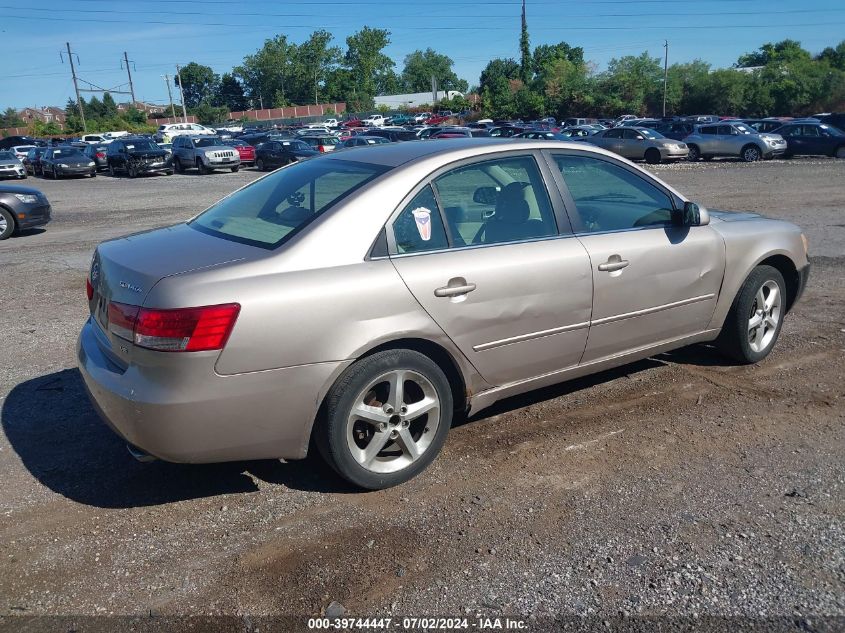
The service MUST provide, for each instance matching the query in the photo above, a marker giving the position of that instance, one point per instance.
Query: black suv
(136, 155)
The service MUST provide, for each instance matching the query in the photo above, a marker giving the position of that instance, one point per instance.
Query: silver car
(356, 301)
(206, 153)
(733, 139)
(639, 143)
(11, 166)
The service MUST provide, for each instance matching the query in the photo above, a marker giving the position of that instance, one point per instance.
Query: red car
(435, 120)
(352, 123)
(245, 150)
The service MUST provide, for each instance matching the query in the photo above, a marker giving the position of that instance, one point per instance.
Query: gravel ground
(675, 488)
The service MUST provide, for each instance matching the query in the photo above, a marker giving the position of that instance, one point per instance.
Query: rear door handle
(614, 263)
(456, 287)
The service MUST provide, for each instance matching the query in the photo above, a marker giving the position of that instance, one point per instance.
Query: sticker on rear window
(422, 217)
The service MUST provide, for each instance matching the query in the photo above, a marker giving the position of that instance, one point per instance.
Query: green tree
(263, 73)
(372, 70)
(93, 108)
(199, 83)
(230, 93)
(208, 114)
(421, 66)
(135, 116)
(496, 70)
(834, 56)
(315, 60)
(784, 51)
(109, 106)
(524, 50)
(11, 118)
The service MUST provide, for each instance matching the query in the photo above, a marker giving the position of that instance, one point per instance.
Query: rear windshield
(272, 209)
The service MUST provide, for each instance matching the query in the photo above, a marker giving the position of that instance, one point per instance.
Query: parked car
(811, 139)
(459, 132)
(639, 143)
(167, 147)
(206, 153)
(422, 117)
(11, 141)
(32, 162)
(402, 119)
(763, 125)
(733, 139)
(374, 120)
(677, 130)
(577, 132)
(543, 136)
(137, 155)
(575, 121)
(325, 143)
(393, 135)
(245, 150)
(506, 131)
(64, 160)
(836, 119)
(278, 153)
(97, 153)
(437, 119)
(257, 138)
(20, 151)
(362, 140)
(168, 132)
(21, 208)
(96, 139)
(11, 166)
(339, 303)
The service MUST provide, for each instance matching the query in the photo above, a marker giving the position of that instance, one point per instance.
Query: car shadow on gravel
(28, 233)
(60, 439)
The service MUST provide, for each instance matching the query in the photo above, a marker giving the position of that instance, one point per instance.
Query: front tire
(751, 154)
(386, 419)
(235, 169)
(201, 168)
(753, 324)
(652, 156)
(7, 224)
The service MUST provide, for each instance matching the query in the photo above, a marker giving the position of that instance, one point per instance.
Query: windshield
(209, 141)
(141, 145)
(272, 209)
(649, 133)
(296, 145)
(831, 130)
(743, 128)
(67, 152)
(7, 156)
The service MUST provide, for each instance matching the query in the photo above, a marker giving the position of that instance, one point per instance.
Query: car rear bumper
(177, 408)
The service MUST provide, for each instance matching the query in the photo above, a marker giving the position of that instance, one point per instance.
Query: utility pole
(315, 87)
(170, 96)
(665, 73)
(131, 87)
(76, 88)
(181, 92)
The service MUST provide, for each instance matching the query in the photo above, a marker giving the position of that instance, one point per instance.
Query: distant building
(45, 114)
(416, 99)
(143, 106)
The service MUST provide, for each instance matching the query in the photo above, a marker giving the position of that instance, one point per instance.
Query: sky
(159, 34)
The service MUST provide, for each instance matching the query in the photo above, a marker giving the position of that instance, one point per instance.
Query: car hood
(217, 148)
(16, 189)
(148, 153)
(72, 161)
(734, 216)
(10, 161)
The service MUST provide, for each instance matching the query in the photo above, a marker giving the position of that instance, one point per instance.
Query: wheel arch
(786, 267)
(14, 215)
(436, 352)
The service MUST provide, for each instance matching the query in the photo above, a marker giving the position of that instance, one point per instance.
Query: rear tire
(652, 156)
(177, 165)
(111, 170)
(694, 153)
(259, 164)
(7, 224)
(391, 445)
(753, 324)
(840, 152)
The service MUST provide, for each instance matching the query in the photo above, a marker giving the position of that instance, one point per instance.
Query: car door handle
(461, 287)
(614, 263)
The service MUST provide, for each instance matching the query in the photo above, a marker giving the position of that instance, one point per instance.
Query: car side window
(708, 130)
(811, 130)
(419, 227)
(613, 134)
(632, 135)
(496, 201)
(609, 197)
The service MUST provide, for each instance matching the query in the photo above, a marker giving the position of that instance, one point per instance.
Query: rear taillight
(176, 330)
(101, 154)
(89, 289)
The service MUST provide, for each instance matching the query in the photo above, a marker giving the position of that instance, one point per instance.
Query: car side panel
(747, 243)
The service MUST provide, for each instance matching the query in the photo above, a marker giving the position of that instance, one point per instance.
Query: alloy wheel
(765, 316)
(4, 225)
(393, 421)
(751, 154)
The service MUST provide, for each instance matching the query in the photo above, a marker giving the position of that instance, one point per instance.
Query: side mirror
(692, 215)
(485, 195)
